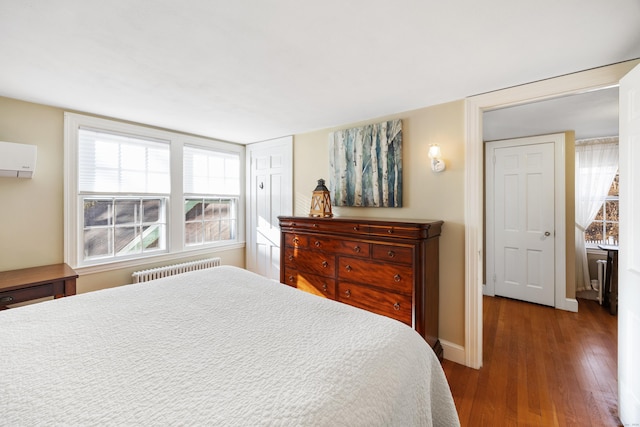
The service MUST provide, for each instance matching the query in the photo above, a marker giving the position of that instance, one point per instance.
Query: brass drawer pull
(348, 268)
(317, 243)
(315, 225)
(356, 248)
(291, 278)
(325, 264)
(296, 241)
(355, 228)
(347, 293)
(396, 306)
(290, 257)
(324, 287)
(391, 254)
(396, 277)
(390, 231)
(6, 299)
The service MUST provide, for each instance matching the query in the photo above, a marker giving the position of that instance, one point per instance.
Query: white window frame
(176, 248)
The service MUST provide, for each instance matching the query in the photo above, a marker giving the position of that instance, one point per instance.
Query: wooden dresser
(389, 267)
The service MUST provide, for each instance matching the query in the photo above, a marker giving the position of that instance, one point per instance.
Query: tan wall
(426, 195)
(31, 210)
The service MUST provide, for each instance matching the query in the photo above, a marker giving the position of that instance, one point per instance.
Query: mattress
(221, 346)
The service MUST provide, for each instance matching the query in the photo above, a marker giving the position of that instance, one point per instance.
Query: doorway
(474, 201)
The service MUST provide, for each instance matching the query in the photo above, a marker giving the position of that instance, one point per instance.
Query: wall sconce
(321, 201)
(437, 164)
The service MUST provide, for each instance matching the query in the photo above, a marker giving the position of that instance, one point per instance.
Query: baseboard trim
(453, 352)
(570, 304)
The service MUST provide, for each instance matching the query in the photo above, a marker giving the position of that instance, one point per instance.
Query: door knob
(546, 233)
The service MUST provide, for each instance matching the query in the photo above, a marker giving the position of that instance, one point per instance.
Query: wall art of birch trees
(366, 165)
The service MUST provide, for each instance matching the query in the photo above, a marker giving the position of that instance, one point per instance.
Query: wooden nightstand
(56, 280)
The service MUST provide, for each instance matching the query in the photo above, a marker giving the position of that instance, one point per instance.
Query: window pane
(127, 240)
(593, 233)
(612, 210)
(207, 171)
(612, 233)
(109, 162)
(127, 211)
(98, 212)
(138, 226)
(192, 210)
(150, 211)
(98, 243)
(599, 216)
(614, 191)
(152, 237)
(193, 233)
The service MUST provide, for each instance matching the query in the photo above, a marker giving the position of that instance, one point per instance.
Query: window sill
(168, 257)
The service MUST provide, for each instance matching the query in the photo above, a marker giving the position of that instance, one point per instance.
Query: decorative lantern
(321, 201)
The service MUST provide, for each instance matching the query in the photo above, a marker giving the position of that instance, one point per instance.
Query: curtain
(596, 167)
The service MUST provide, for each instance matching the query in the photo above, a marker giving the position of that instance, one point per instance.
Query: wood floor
(541, 367)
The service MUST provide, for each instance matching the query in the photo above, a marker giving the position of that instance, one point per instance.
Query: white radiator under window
(171, 270)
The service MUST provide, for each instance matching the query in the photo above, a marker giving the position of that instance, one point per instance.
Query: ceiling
(591, 114)
(248, 71)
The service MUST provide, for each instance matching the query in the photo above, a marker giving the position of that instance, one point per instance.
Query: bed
(221, 346)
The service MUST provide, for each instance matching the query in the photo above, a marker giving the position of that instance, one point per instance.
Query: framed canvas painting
(366, 165)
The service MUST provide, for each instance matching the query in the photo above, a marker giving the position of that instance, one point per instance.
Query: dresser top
(388, 227)
(368, 220)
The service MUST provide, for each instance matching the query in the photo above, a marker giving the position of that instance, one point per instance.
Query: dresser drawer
(395, 231)
(399, 254)
(26, 294)
(309, 261)
(295, 240)
(390, 304)
(328, 225)
(398, 278)
(340, 246)
(312, 283)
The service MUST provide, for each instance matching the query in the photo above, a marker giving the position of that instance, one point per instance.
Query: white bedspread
(215, 347)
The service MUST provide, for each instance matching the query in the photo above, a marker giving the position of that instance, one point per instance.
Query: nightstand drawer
(26, 294)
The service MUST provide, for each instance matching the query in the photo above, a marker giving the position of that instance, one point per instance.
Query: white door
(521, 219)
(629, 251)
(270, 190)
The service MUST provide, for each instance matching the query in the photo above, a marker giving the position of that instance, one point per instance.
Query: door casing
(593, 79)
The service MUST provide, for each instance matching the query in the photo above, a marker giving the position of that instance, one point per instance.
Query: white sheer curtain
(596, 167)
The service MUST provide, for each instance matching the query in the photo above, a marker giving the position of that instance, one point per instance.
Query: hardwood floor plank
(542, 367)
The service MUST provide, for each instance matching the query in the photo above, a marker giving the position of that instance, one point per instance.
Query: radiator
(171, 270)
(602, 271)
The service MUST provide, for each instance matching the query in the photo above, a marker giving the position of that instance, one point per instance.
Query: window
(134, 192)
(212, 190)
(604, 228)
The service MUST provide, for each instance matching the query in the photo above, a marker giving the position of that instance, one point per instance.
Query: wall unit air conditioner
(17, 160)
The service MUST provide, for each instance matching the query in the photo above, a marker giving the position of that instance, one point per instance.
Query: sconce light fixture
(321, 201)
(437, 164)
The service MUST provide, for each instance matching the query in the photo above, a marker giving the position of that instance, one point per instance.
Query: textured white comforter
(221, 346)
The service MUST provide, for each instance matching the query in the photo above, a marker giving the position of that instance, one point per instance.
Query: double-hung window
(123, 190)
(211, 195)
(133, 193)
